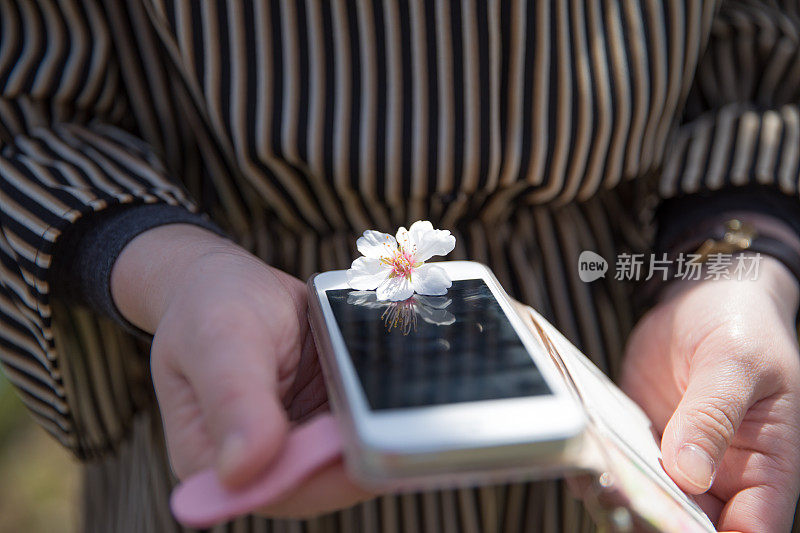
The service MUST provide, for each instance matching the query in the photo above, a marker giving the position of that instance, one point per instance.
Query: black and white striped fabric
(532, 130)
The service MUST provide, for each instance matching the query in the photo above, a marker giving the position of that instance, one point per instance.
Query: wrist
(782, 285)
(149, 269)
(773, 279)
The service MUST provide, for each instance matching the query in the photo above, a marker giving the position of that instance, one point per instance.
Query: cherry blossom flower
(395, 267)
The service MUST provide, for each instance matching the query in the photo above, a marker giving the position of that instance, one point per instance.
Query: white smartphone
(440, 390)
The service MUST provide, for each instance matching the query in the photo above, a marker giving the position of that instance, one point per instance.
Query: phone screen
(432, 350)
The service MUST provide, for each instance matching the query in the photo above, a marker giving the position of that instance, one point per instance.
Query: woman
(533, 132)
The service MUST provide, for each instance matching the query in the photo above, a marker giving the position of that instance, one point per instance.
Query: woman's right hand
(233, 360)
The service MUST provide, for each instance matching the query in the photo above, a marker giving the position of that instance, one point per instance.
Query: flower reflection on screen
(403, 315)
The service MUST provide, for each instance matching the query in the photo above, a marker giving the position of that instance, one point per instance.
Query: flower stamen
(401, 262)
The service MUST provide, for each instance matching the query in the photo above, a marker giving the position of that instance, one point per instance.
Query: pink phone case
(202, 501)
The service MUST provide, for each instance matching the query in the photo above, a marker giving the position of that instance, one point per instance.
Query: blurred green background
(39, 481)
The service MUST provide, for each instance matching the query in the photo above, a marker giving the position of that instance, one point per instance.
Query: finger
(188, 443)
(235, 381)
(755, 509)
(328, 490)
(307, 395)
(710, 504)
(646, 372)
(702, 427)
(580, 486)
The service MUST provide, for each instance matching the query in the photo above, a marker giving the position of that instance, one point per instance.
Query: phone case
(616, 470)
(628, 489)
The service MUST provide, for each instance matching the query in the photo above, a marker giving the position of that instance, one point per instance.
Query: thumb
(716, 400)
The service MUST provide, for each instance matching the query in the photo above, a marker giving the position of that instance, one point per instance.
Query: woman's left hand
(716, 367)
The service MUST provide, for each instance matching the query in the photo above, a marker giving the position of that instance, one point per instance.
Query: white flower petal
(395, 289)
(366, 273)
(376, 244)
(431, 280)
(407, 239)
(404, 239)
(424, 242)
(420, 226)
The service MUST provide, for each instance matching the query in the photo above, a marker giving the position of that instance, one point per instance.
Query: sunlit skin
(233, 360)
(716, 367)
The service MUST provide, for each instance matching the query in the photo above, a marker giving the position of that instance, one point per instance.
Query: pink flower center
(402, 263)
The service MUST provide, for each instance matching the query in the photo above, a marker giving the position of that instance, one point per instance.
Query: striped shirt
(532, 130)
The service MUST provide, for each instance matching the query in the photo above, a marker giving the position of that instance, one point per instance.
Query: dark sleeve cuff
(677, 216)
(85, 255)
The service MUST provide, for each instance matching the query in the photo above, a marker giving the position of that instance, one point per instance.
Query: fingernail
(696, 466)
(230, 454)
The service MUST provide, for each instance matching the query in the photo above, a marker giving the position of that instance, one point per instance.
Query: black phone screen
(431, 350)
